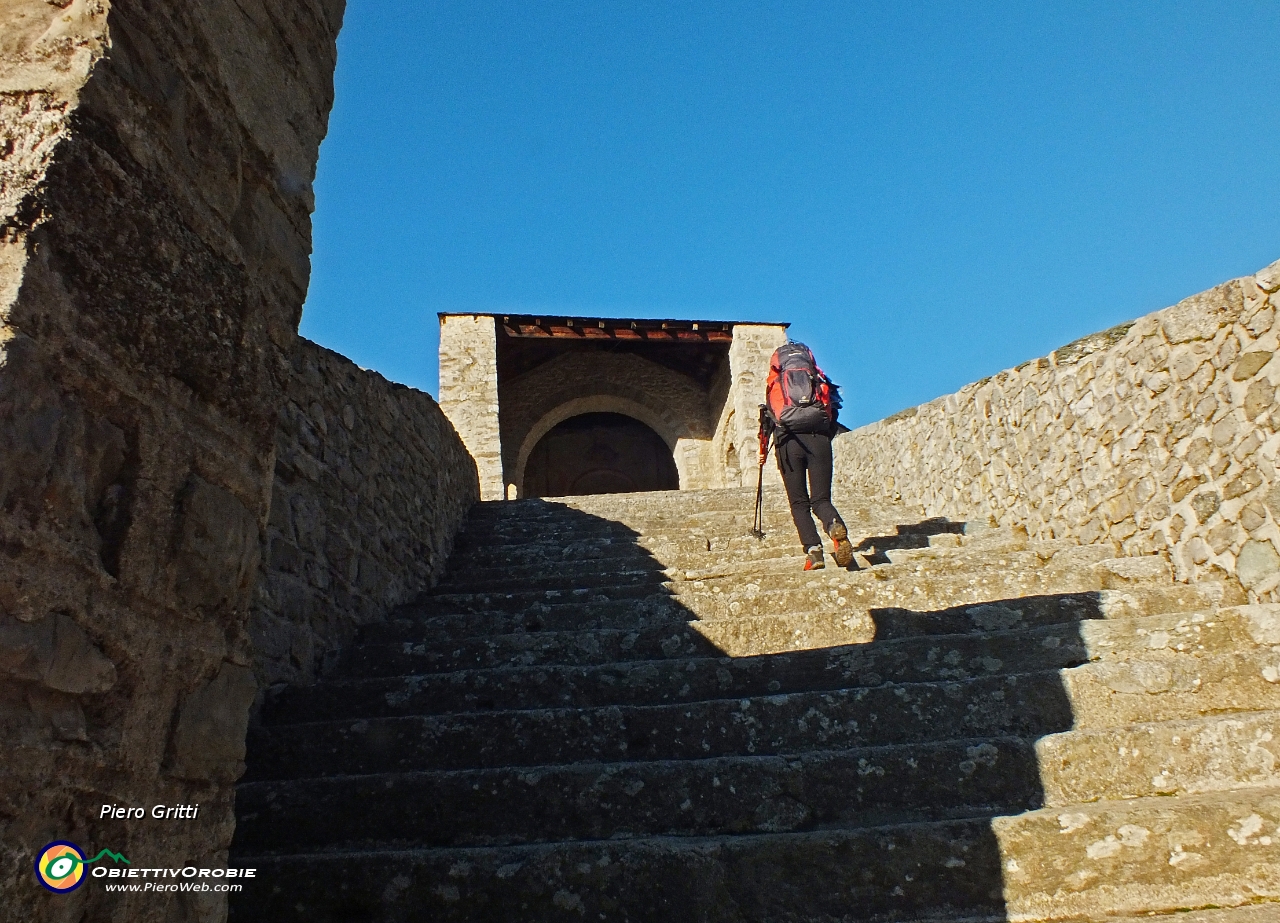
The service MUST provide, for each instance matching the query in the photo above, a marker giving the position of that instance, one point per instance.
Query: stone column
(155, 197)
(749, 354)
(469, 392)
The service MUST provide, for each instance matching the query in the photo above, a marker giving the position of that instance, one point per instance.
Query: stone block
(56, 653)
(1225, 430)
(60, 713)
(209, 740)
(1248, 480)
(1258, 562)
(1269, 279)
(217, 548)
(1205, 504)
(1263, 622)
(77, 665)
(1200, 317)
(1250, 364)
(1272, 501)
(1197, 550)
(1126, 572)
(1253, 516)
(1222, 536)
(1259, 399)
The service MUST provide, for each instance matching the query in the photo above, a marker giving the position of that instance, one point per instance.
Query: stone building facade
(511, 383)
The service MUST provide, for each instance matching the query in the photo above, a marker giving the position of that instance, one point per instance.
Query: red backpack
(801, 399)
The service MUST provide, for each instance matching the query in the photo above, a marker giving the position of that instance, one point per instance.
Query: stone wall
(1160, 436)
(371, 484)
(156, 161)
(739, 424)
(469, 392)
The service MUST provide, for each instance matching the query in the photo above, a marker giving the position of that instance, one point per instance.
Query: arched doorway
(599, 453)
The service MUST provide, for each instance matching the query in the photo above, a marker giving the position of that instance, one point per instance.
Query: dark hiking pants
(807, 455)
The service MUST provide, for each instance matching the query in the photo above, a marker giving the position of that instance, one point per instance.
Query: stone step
(1171, 687)
(860, 875)
(852, 613)
(1158, 686)
(1025, 705)
(421, 624)
(627, 508)
(630, 681)
(1265, 912)
(1144, 855)
(783, 567)
(696, 533)
(528, 649)
(634, 681)
(1039, 609)
(579, 575)
(1210, 754)
(738, 795)
(863, 787)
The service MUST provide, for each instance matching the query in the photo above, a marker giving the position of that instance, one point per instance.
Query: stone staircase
(625, 708)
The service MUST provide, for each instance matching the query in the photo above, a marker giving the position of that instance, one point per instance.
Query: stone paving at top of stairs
(627, 708)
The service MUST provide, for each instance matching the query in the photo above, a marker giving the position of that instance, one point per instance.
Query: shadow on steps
(544, 736)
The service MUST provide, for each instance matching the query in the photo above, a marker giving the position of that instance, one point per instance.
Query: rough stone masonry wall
(469, 392)
(739, 423)
(371, 485)
(1160, 436)
(156, 160)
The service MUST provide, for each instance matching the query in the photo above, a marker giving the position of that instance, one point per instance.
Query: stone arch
(669, 403)
(599, 452)
(669, 431)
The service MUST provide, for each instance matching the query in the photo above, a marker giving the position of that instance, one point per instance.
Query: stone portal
(599, 453)
(530, 396)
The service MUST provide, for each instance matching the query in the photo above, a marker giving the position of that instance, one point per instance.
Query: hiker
(800, 410)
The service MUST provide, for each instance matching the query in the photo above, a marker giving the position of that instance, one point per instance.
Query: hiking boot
(814, 560)
(844, 548)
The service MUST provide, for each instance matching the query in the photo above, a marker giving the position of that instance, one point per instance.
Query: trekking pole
(758, 526)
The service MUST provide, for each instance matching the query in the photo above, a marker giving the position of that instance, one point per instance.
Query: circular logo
(60, 867)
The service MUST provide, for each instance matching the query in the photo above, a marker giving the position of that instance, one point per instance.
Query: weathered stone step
(1025, 705)
(784, 566)
(1144, 855)
(1168, 686)
(420, 624)
(640, 508)
(633, 681)
(580, 575)
(678, 551)
(1264, 912)
(687, 534)
(897, 872)
(1210, 754)
(1159, 685)
(443, 601)
(739, 795)
(781, 567)
(825, 612)
(900, 622)
(1140, 856)
(657, 522)
(534, 648)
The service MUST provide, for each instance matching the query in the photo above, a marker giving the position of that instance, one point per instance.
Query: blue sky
(929, 192)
